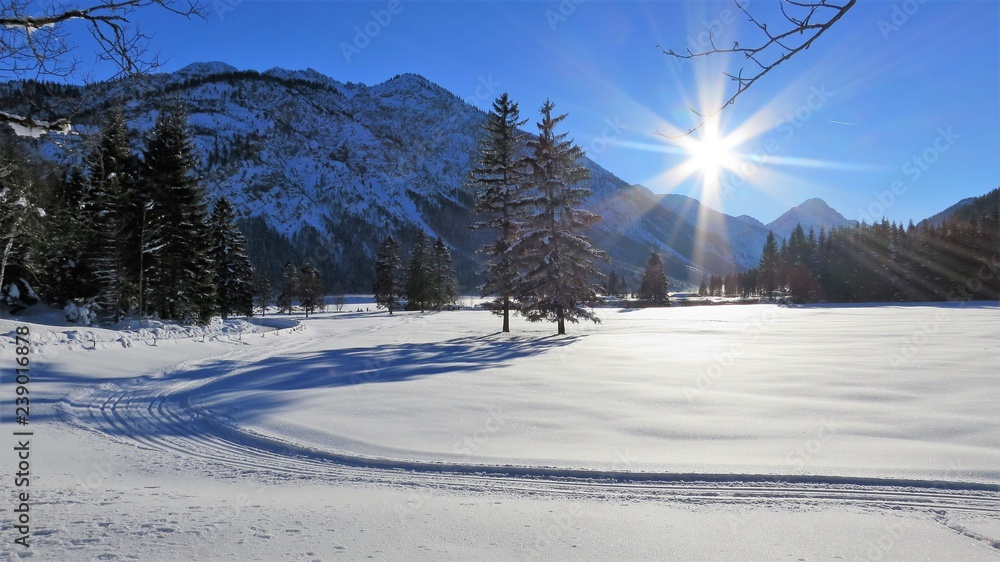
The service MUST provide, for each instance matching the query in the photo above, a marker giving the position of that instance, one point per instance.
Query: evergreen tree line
(301, 283)
(742, 284)
(427, 282)
(125, 233)
(653, 286)
(884, 262)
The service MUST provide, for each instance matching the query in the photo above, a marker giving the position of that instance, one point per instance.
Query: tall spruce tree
(21, 227)
(419, 282)
(290, 287)
(310, 289)
(228, 253)
(653, 290)
(263, 292)
(558, 261)
(499, 178)
(69, 278)
(388, 269)
(444, 283)
(800, 265)
(178, 271)
(768, 265)
(615, 286)
(111, 209)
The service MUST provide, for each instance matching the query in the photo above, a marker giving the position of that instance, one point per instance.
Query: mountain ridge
(327, 168)
(321, 170)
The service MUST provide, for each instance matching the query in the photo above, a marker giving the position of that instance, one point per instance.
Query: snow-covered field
(719, 432)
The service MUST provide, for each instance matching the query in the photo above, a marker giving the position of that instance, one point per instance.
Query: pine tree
(557, 259)
(499, 179)
(768, 266)
(310, 289)
(388, 268)
(289, 287)
(653, 290)
(799, 265)
(68, 279)
(233, 272)
(262, 291)
(21, 226)
(111, 209)
(715, 285)
(178, 270)
(613, 286)
(419, 287)
(783, 261)
(443, 281)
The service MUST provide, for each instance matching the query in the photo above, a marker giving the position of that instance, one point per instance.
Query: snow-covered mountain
(813, 213)
(745, 235)
(323, 170)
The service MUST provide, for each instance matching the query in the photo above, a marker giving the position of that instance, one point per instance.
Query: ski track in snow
(156, 412)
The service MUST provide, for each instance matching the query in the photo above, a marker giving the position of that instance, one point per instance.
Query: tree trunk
(561, 324)
(506, 315)
(8, 249)
(6, 255)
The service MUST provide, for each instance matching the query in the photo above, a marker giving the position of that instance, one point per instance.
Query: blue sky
(894, 112)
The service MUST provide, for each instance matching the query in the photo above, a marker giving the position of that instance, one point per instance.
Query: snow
(752, 432)
(32, 128)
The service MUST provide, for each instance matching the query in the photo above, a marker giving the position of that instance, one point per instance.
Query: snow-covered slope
(813, 213)
(334, 167)
(745, 235)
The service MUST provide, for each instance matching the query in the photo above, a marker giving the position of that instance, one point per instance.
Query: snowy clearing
(750, 432)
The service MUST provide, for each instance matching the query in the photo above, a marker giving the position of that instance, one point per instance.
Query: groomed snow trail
(158, 411)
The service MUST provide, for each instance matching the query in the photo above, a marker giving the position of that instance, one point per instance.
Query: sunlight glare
(710, 154)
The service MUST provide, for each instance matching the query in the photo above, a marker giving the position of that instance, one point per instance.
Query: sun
(710, 154)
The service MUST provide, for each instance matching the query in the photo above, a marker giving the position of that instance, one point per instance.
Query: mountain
(813, 213)
(322, 170)
(978, 207)
(745, 235)
(939, 218)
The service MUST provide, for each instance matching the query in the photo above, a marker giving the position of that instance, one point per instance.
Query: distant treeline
(885, 262)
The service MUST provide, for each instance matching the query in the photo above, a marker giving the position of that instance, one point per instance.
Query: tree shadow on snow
(380, 364)
(240, 391)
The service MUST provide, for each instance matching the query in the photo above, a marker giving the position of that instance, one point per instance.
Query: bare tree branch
(807, 21)
(34, 42)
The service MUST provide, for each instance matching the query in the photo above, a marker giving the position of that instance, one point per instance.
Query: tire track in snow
(159, 415)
